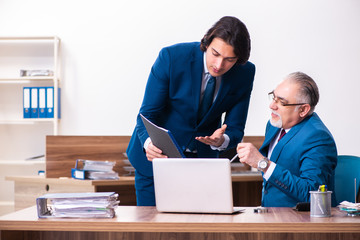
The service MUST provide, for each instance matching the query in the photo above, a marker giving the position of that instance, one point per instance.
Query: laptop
(193, 185)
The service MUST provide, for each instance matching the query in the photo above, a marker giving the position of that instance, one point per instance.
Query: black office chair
(348, 169)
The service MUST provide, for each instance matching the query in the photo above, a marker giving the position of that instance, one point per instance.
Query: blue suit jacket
(305, 158)
(172, 98)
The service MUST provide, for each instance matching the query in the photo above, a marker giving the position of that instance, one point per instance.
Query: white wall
(109, 46)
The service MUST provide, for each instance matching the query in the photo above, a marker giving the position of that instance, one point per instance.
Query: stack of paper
(78, 205)
(91, 165)
(95, 170)
(350, 208)
(33, 73)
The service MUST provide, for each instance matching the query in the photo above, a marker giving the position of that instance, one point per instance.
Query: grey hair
(308, 90)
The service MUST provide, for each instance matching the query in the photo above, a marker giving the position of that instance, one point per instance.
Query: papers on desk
(352, 209)
(95, 170)
(77, 205)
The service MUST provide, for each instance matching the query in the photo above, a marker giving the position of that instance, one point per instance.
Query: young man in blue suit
(299, 161)
(174, 94)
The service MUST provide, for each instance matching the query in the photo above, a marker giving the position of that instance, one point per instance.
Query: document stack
(36, 73)
(352, 209)
(95, 170)
(77, 205)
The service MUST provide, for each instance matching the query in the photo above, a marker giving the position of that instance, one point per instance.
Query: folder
(163, 139)
(42, 102)
(59, 103)
(34, 113)
(26, 102)
(79, 174)
(95, 170)
(77, 205)
(49, 102)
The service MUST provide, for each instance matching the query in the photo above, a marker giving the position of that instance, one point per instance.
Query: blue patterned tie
(207, 98)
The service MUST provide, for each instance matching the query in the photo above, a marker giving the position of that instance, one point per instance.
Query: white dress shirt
(272, 165)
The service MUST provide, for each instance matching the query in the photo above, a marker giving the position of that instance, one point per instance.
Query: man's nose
(273, 105)
(219, 63)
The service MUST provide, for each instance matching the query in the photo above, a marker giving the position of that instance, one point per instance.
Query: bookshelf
(21, 137)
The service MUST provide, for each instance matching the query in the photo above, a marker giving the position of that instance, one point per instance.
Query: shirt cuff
(269, 171)
(224, 145)
(147, 142)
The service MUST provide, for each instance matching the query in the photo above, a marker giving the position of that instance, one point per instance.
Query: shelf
(48, 38)
(26, 79)
(21, 162)
(27, 121)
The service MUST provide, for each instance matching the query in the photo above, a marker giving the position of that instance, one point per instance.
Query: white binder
(50, 102)
(26, 102)
(34, 113)
(42, 102)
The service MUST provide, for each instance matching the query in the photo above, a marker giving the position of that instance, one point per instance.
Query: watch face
(263, 164)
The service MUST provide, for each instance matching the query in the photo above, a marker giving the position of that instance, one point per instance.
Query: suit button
(265, 192)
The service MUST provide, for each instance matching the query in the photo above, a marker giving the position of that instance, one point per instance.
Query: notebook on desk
(193, 185)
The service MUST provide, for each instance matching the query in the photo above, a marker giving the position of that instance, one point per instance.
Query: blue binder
(42, 102)
(59, 102)
(26, 102)
(49, 102)
(34, 92)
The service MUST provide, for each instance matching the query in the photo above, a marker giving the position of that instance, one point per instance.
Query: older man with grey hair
(299, 152)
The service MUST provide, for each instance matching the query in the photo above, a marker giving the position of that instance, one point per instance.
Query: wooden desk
(146, 223)
(28, 188)
(62, 152)
(246, 188)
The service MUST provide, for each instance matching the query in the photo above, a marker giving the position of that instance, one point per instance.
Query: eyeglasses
(282, 101)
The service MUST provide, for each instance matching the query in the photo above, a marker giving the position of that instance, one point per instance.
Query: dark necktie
(282, 134)
(207, 98)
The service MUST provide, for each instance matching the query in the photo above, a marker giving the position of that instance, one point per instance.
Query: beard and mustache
(277, 123)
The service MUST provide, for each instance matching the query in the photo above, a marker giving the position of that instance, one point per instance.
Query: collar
(206, 70)
(287, 130)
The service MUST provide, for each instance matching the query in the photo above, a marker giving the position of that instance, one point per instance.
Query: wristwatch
(263, 164)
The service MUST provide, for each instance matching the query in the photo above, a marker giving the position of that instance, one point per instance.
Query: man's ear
(304, 110)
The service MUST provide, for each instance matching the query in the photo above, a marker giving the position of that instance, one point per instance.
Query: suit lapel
(222, 93)
(287, 137)
(280, 145)
(273, 131)
(197, 68)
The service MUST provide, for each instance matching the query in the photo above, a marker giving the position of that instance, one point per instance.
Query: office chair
(347, 169)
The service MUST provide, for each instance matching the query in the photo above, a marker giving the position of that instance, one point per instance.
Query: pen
(236, 155)
(322, 188)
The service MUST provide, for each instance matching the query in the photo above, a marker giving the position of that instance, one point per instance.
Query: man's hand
(249, 154)
(153, 152)
(216, 139)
